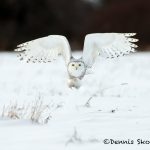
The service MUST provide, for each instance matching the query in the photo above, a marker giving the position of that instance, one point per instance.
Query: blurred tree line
(24, 20)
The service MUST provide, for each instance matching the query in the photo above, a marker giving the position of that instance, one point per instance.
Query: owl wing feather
(108, 45)
(45, 49)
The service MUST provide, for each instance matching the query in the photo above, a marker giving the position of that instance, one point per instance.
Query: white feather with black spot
(108, 45)
(45, 49)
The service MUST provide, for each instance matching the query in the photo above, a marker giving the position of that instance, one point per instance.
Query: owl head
(76, 68)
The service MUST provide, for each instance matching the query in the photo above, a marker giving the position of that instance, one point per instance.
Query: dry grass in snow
(37, 111)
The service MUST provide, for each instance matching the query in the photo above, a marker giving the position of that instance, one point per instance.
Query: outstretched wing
(108, 45)
(45, 49)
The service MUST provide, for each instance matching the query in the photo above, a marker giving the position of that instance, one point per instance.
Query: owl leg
(74, 83)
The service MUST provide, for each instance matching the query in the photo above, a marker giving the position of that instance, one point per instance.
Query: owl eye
(72, 64)
(79, 64)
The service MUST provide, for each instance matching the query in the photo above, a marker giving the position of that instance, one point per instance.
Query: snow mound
(113, 103)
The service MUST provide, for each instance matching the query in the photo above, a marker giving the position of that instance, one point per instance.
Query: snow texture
(113, 103)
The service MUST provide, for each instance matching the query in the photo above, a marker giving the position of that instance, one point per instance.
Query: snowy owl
(46, 49)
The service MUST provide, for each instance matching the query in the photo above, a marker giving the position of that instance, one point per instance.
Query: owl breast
(74, 83)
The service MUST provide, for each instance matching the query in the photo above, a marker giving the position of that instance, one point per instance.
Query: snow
(113, 103)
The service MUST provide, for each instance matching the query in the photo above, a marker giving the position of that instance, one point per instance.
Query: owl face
(76, 69)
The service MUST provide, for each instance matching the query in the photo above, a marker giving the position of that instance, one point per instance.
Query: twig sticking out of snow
(75, 139)
(40, 113)
(87, 104)
(101, 92)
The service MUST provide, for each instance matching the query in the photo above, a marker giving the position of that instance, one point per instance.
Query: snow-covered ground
(113, 103)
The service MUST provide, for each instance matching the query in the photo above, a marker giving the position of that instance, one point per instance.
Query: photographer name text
(127, 142)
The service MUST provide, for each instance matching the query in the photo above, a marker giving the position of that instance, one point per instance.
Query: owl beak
(76, 68)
